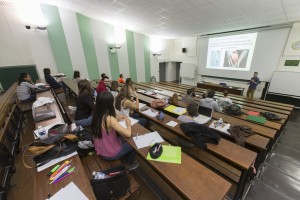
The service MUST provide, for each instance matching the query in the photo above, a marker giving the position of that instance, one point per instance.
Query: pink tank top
(109, 145)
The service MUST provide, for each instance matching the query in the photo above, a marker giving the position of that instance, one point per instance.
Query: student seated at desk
(188, 99)
(103, 85)
(51, 81)
(192, 111)
(121, 79)
(85, 104)
(223, 101)
(126, 106)
(210, 102)
(24, 88)
(114, 89)
(77, 77)
(105, 126)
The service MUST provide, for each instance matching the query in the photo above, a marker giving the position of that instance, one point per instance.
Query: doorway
(177, 72)
(162, 72)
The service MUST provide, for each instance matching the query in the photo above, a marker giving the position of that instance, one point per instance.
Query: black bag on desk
(112, 187)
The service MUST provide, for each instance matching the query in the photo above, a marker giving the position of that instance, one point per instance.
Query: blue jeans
(84, 122)
(127, 154)
(141, 121)
(30, 99)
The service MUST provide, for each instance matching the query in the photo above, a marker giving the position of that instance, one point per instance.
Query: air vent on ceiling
(7, 3)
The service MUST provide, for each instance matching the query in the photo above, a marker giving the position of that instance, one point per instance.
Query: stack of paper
(133, 121)
(176, 110)
(55, 161)
(71, 191)
(146, 140)
(141, 91)
(170, 154)
(172, 123)
(150, 113)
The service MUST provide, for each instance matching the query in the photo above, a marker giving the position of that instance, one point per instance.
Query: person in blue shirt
(252, 85)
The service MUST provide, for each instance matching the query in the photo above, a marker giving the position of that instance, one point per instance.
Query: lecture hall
(149, 99)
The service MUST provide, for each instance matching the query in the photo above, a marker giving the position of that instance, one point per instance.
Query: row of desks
(190, 179)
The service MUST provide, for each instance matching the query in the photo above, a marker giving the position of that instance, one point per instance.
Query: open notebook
(204, 116)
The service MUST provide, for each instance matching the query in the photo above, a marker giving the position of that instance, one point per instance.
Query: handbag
(115, 185)
(59, 129)
(45, 150)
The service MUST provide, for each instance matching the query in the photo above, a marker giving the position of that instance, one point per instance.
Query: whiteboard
(187, 70)
(285, 83)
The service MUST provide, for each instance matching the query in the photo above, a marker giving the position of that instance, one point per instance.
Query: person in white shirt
(224, 100)
(25, 87)
(77, 77)
(210, 102)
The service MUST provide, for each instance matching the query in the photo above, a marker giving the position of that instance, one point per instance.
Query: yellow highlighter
(59, 169)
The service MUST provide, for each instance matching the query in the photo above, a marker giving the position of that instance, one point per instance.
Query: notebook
(204, 116)
(44, 114)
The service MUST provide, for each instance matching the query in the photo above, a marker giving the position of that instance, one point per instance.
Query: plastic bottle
(42, 131)
(220, 122)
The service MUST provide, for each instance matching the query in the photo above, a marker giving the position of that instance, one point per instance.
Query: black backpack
(270, 116)
(233, 109)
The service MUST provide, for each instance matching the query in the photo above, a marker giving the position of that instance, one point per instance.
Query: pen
(61, 173)
(53, 170)
(63, 177)
(59, 169)
(70, 171)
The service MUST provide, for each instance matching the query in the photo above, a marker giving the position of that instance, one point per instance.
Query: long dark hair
(104, 108)
(76, 74)
(84, 88)
(47, 71)
(123, 94)
(22, 77)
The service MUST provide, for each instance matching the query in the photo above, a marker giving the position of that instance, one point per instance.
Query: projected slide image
(231, 52)
(236, 58)
(215, 58)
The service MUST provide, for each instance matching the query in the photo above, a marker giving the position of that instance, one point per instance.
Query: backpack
(158, 103)
(233, 109)
(270, 116)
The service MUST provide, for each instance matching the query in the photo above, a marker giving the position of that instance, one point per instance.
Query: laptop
(204, 116)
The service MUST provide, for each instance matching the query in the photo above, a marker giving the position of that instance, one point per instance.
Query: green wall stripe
(88, 45)
(57, 39)
(131, 55)
(147, 59)
(113, 57)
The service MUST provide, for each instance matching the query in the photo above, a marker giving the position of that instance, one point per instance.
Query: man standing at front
(252, 85)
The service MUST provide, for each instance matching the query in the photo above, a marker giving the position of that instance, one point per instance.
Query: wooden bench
(93, 163)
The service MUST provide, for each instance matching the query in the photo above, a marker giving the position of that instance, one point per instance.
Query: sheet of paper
(179, 110)
(170, 154)
(223, 128)
(36, 132)
(141, 105)
(172, 123)
(40, 84)
(71, 191)
(146, 140)
(54, 161)
(150, 113)
(133, 121)
(141, 91)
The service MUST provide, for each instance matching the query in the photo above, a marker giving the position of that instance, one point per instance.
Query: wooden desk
(220, 88)
(190, 179)
(79, 177)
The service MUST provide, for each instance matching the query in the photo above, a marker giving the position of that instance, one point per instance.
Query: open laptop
(204, 116)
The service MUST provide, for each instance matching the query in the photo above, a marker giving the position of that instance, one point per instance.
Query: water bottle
(220, 122)
(99, 175)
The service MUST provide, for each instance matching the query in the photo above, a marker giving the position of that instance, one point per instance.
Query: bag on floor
(111, 183)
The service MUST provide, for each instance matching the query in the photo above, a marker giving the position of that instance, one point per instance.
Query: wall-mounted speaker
(183, 50)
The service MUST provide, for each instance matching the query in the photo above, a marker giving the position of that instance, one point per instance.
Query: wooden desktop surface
(220, 88)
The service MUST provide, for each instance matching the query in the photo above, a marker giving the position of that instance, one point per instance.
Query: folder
(257, 119)
(170, 154)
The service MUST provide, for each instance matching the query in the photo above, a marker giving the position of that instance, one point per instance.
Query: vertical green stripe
(86, 34)
(131, 55)
(57, 40)
(113, 57)
(147, 58)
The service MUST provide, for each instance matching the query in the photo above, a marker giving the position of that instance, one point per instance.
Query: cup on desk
(160, 115)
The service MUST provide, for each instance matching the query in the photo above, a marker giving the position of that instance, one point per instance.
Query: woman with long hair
(105, 129)
(85, 104)
(24, 88)
(125, 104)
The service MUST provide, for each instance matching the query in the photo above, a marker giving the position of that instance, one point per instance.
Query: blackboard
(10, 74)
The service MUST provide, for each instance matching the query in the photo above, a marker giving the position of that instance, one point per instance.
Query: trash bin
(153, 79)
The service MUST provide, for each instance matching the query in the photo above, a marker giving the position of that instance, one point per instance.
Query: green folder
(257, 119)
(170, 154)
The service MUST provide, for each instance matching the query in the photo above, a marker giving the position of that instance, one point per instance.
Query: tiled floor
(279, 176)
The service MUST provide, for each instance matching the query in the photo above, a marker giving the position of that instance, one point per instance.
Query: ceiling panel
(177, 18)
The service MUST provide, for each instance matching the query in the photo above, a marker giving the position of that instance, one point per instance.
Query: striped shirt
(23, 90)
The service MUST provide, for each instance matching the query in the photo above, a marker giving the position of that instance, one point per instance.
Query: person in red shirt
(102, 85)
(121, 79)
